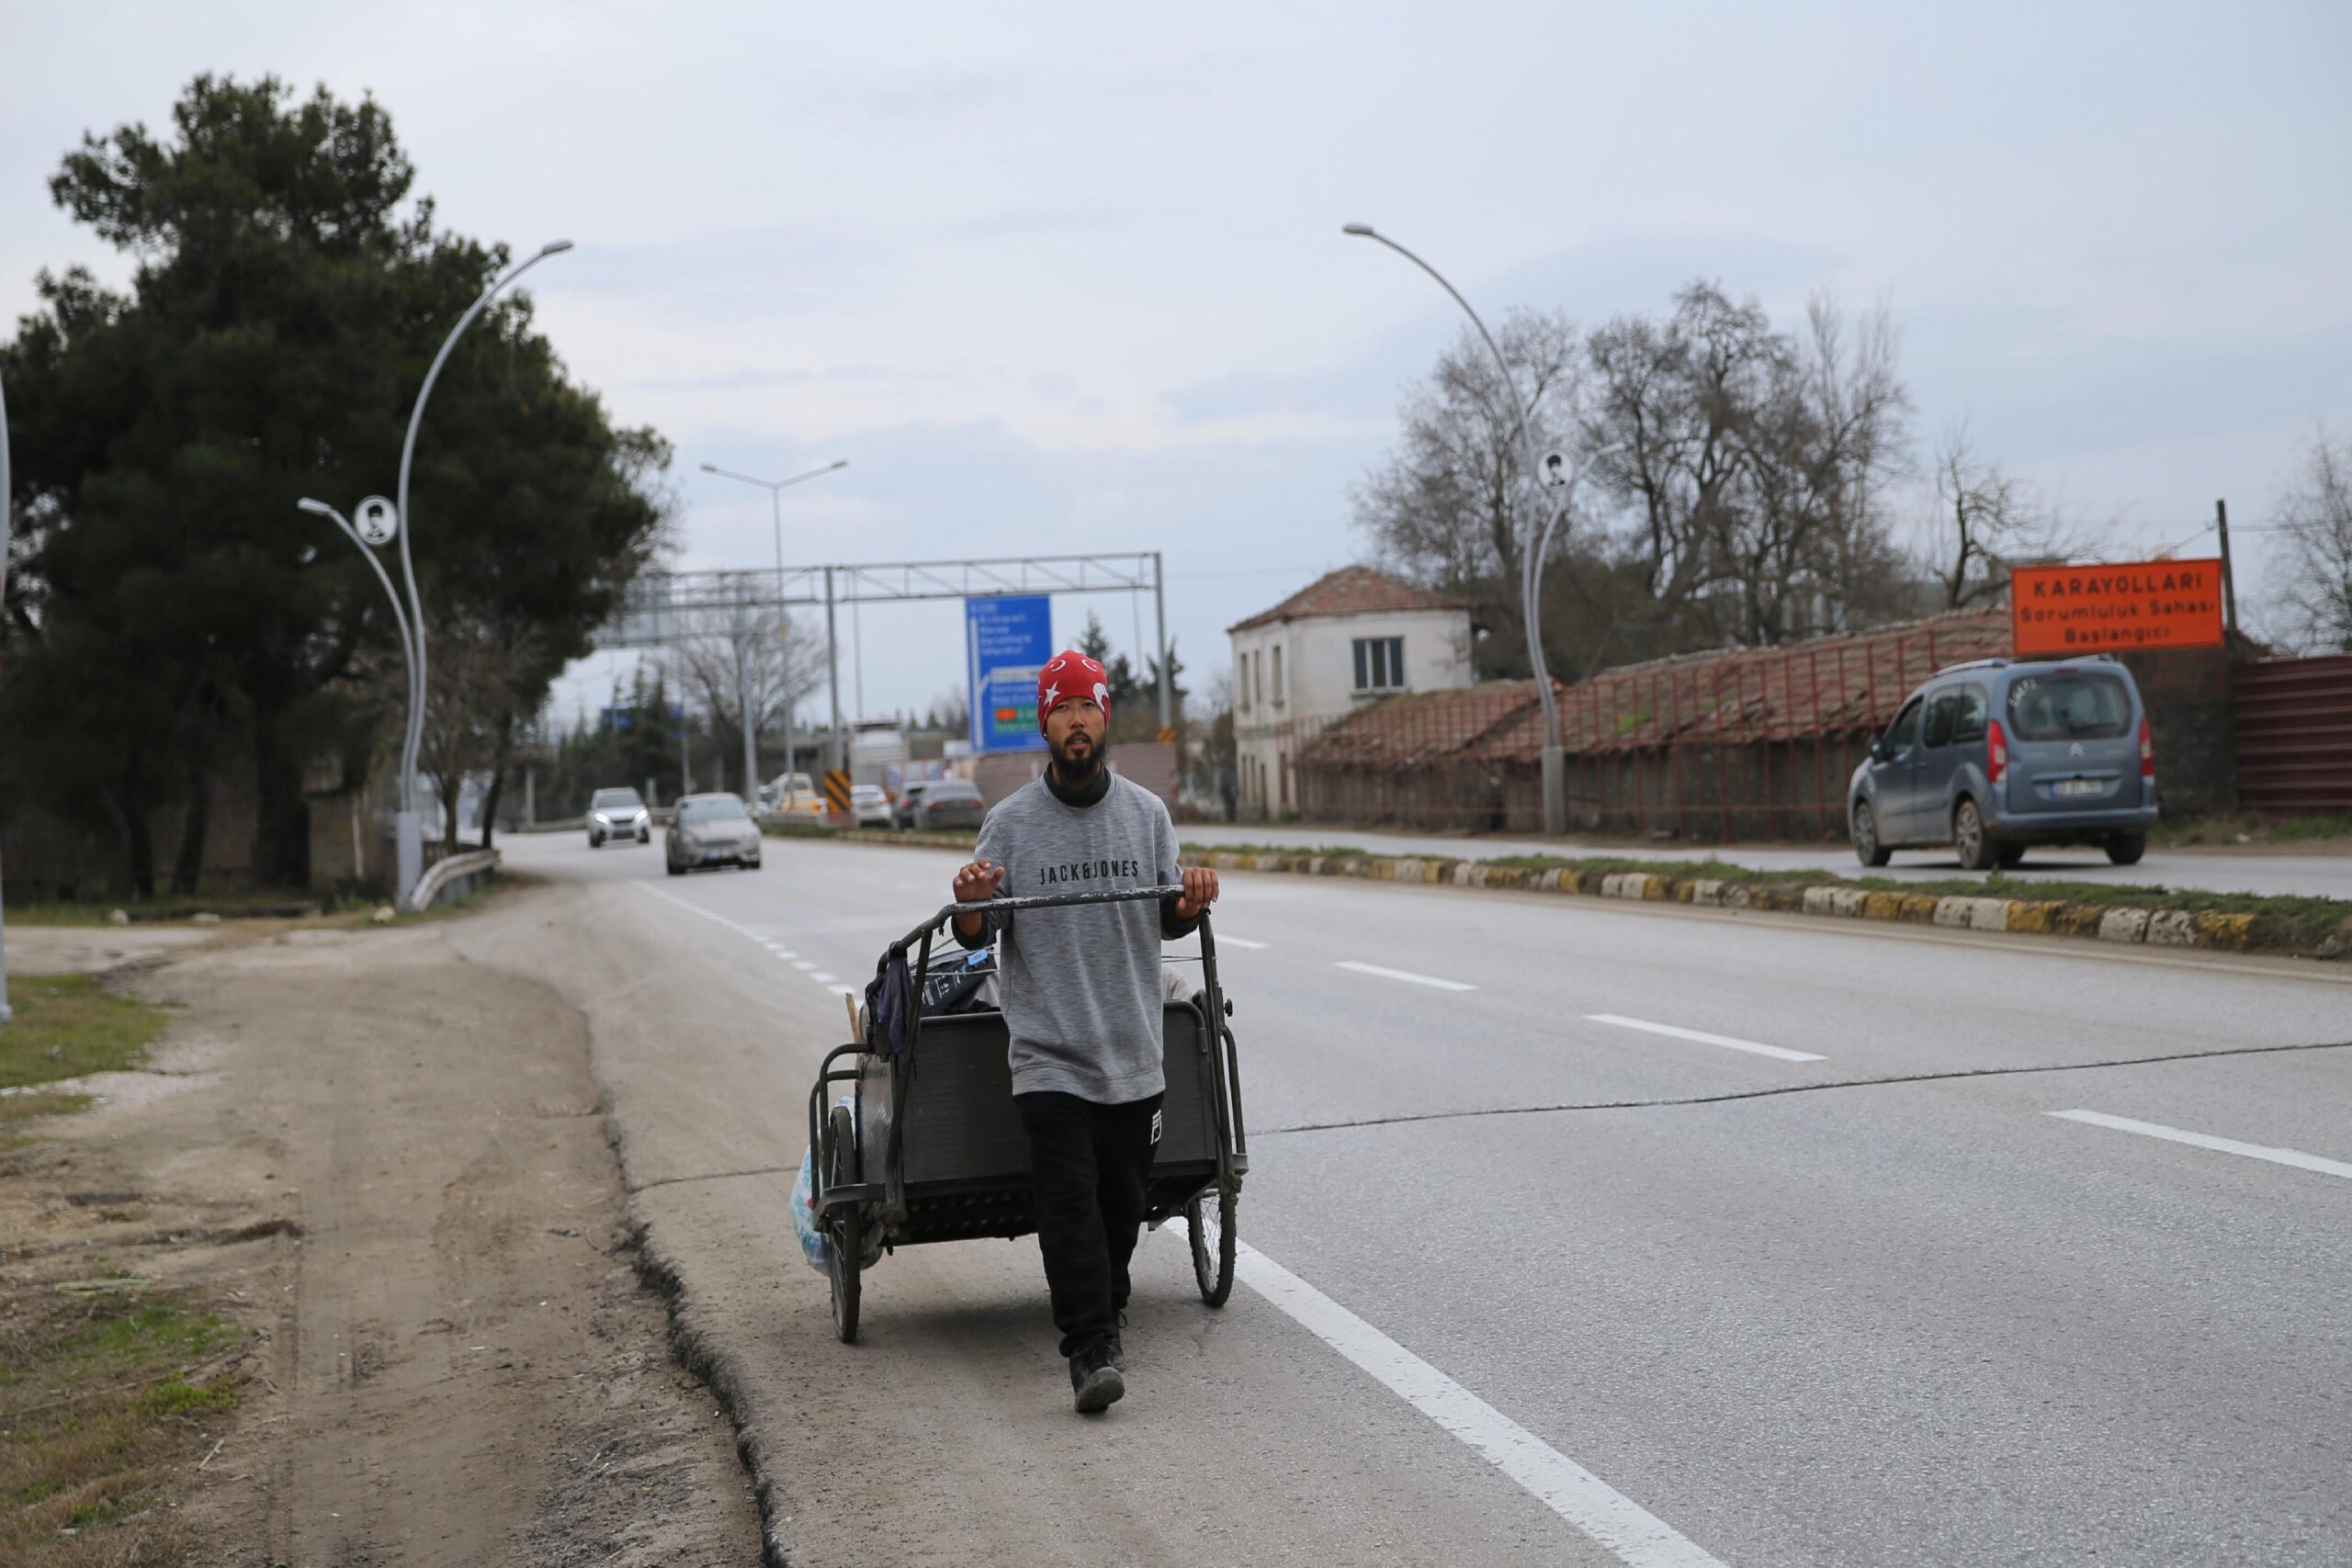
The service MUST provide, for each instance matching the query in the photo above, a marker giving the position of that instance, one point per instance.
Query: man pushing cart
(1091, 1102)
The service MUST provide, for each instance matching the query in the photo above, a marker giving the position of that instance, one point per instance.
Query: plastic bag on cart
(815, 1250)
(960, 982)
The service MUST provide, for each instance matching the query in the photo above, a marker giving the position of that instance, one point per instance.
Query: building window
(1241, 682)
(1258, 677)
(1380, 664)
(1278, 677)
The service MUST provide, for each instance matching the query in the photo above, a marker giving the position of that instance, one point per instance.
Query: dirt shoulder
(350, 1249)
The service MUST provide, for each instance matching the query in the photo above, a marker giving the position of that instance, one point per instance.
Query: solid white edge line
(1407, 975)
(1630, 1533)
(2295, 1158)
(1726, 1042)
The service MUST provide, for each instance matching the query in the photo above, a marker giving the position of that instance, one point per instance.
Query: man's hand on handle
(976, 881)
(1200, 892)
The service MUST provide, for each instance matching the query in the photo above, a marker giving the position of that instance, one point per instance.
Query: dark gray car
(950, 803)
(1993, 757)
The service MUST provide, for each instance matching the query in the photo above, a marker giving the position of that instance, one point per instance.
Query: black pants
(1089, 1164)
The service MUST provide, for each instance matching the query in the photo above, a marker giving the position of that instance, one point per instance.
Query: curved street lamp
(400, 616)
(409, 833)
(776, 489)
(1555, 758)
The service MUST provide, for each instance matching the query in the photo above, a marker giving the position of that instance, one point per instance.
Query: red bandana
(1071, 673)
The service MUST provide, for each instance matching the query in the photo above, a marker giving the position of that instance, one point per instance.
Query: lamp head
(842, 463)
(709, 470)
(555, 247)
(1361, 230)
(318, 508)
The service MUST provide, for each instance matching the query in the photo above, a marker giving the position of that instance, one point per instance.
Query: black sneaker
(1095, 1382)
(1114, 1345)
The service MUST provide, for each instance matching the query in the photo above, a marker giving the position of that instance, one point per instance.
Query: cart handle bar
(1042, 901)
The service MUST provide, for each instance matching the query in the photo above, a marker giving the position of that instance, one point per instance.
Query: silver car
(712, 829)
(618, 815)
(869, 805)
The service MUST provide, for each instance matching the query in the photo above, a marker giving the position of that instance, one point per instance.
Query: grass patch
(18, 1109)
(2246, 829)
(110, 1396)
(143, 912)
(69, 1024)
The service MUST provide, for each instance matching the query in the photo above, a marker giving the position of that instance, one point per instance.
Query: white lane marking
(1725, 1041)
(1225, 941)
(1630, 1533)
(2295, 1158)
(846, 990)
(824, 979)
(828, 981)
(1402, 975)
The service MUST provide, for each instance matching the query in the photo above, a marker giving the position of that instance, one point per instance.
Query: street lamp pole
(776, 489)
(1555, 756)
(6, 495)
(409, 831)
(399, 615)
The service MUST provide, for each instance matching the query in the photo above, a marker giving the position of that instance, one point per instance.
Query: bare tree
(484, 673)
(740, 657)
(951, 710)
(2315, 588)
(1750, 468)
(1986, 521)
(1452, 509)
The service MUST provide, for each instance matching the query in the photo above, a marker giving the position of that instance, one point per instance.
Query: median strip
(2149, 916)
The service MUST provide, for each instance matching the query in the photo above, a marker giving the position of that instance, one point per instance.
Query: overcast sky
(1062, 277)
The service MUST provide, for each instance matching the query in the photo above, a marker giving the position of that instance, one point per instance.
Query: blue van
(1991, 757)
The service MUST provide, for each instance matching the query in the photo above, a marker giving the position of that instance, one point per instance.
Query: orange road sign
(2061, 609)
(1167, 733)
(837, 789)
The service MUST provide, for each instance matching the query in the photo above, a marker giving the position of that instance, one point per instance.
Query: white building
(1348, 638)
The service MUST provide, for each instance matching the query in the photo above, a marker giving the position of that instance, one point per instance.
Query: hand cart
(929, 1146)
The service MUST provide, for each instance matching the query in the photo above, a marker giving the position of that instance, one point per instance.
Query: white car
(869, 805)
(712, 829)
(620, 814)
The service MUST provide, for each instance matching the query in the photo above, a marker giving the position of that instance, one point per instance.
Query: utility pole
(833, 673)
(2229, 577)
(1159, 616)
(751, 722)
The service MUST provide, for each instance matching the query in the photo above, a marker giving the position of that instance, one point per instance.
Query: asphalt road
(2217, 870)
(1533, 1281)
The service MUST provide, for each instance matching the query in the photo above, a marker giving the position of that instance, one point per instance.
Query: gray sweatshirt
(1081, 987)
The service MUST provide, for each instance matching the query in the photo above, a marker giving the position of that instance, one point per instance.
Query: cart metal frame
(964, 1185)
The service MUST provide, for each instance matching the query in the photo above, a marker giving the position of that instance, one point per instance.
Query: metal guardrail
(453, 876)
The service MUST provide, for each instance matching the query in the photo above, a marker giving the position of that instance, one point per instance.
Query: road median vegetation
(2149, 915)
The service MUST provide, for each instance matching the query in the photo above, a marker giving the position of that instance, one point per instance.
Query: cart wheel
(846, 1248)
(1212, 1230)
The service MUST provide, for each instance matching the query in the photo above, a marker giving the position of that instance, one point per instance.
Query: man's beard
(1078, 771)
